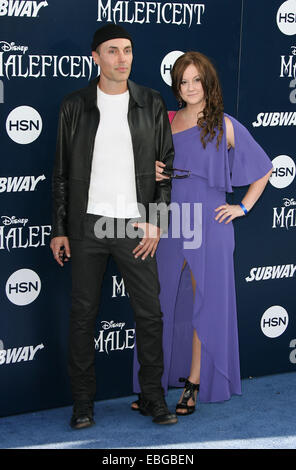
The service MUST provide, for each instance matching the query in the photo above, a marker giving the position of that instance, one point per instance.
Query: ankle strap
(188, 384)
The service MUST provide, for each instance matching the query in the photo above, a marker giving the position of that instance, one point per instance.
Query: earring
(180, 103)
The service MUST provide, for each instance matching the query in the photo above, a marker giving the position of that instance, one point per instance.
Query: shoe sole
(168, 421)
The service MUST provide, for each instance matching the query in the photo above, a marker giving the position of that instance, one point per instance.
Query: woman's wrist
(243, 208)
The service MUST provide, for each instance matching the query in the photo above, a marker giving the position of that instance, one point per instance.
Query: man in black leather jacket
(110, 135)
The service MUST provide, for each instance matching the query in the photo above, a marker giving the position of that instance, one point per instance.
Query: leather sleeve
(165, 152)
(60, 174)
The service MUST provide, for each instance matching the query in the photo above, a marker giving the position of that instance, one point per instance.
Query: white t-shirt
(112, 190)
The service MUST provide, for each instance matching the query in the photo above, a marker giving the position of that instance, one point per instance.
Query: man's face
(115, 59)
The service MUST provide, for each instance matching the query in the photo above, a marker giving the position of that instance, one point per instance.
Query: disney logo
(7, 47)
(293, 50)
(289, 202)
(13, 220)
(106, 325)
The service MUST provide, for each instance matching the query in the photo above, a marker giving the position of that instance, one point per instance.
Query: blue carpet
(262, 418)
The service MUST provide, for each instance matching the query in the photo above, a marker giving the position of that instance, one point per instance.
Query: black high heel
(189, 390)
(137, 403)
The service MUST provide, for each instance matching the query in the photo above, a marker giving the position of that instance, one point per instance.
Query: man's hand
(149, 242)
(61, 249)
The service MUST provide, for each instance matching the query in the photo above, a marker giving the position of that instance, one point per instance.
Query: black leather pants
(89, 258)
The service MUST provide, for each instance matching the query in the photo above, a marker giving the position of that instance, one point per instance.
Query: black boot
(83, 412)
(158, 409)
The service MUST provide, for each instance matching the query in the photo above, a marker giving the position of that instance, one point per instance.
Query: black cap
(110, 31)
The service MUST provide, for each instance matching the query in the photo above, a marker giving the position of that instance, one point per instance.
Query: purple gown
(212, 311)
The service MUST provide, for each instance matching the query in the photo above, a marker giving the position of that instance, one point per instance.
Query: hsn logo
(24, 124)
(274, 321)
(21, 8)
(286, 18)
(283, 171)
(23, 287)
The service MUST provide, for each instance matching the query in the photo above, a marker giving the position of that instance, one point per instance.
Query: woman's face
(191, 90)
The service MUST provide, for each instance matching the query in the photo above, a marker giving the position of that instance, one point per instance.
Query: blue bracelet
(243, 208)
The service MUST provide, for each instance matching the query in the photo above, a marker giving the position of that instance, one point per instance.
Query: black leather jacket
(78, 123)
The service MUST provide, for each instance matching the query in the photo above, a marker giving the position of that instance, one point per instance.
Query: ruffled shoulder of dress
(248, 162)
(223, 168)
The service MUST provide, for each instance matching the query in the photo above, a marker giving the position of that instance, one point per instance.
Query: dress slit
(182, 316)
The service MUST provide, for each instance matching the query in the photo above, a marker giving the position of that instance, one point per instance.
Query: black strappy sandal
(190, 388)
(137, 402)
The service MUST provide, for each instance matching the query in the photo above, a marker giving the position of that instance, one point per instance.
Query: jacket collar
(91, 93)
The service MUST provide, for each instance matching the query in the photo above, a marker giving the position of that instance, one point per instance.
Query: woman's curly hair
(211, 122)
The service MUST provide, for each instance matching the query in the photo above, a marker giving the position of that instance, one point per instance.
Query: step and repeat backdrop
(45, 54)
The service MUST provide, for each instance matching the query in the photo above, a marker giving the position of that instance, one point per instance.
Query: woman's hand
(228, 212)
(159, 168)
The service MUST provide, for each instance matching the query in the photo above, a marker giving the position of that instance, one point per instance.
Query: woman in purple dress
(214, 153)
